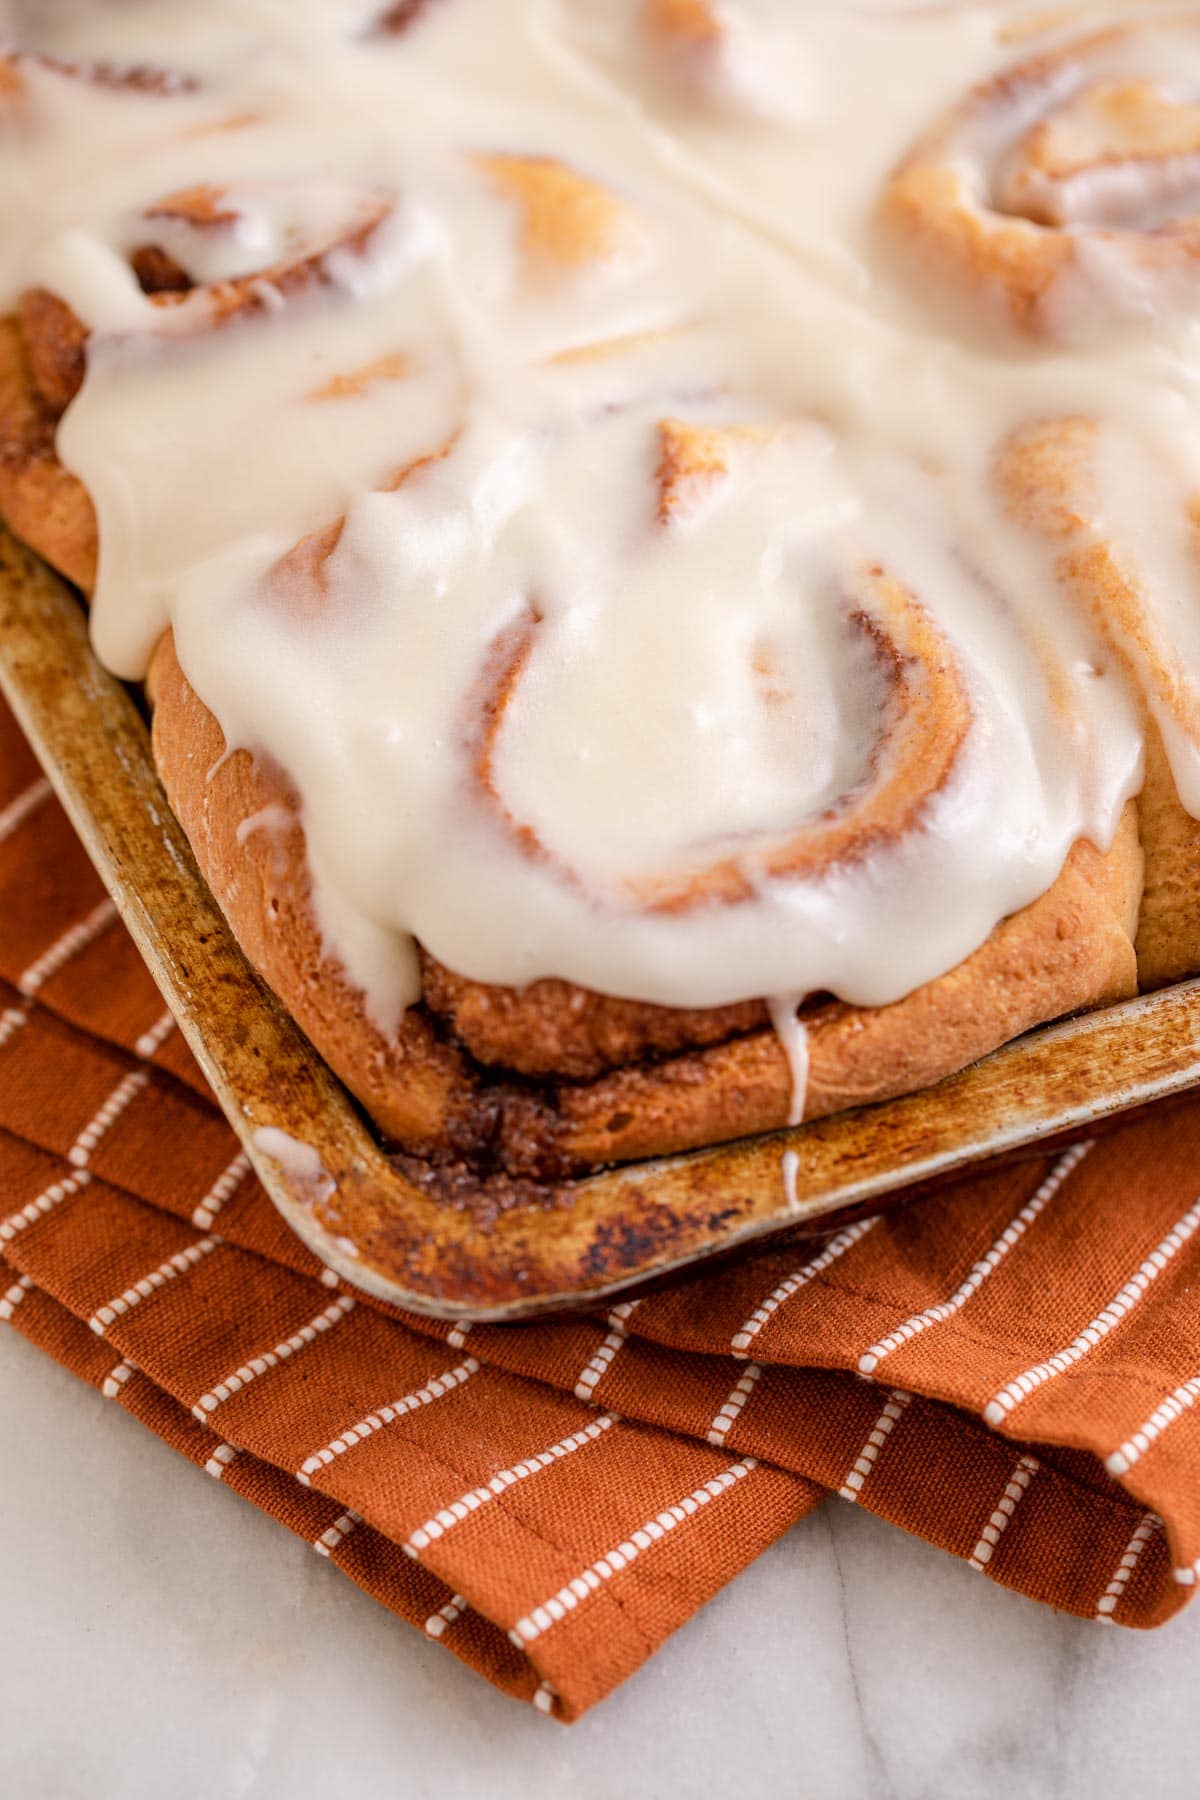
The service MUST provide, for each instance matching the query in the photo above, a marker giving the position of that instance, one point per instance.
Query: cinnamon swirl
(1065, 189)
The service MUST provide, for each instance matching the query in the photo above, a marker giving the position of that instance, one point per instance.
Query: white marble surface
(159, 1640)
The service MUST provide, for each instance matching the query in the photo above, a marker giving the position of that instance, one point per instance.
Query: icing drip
(793, 1037)
(301, 1165)
(790, 1168)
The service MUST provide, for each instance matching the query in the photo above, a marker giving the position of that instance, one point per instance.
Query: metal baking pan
(593, 1238)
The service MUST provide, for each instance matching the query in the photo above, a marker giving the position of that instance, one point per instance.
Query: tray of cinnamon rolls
(659, 545)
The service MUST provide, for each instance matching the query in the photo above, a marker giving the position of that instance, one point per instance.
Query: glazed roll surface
(661, 537)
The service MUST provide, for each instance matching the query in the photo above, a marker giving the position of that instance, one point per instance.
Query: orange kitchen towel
(1008, 1368)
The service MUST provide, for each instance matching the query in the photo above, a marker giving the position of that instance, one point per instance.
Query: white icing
(299, 1163)
(693, 689)
(275, 819)
(1139, 509)
(789, 1168)
(793, 1038)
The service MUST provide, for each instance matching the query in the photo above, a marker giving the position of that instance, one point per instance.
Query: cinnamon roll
(621, 1079)
(1064, 191)
(185, 253)
(1063, 479)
